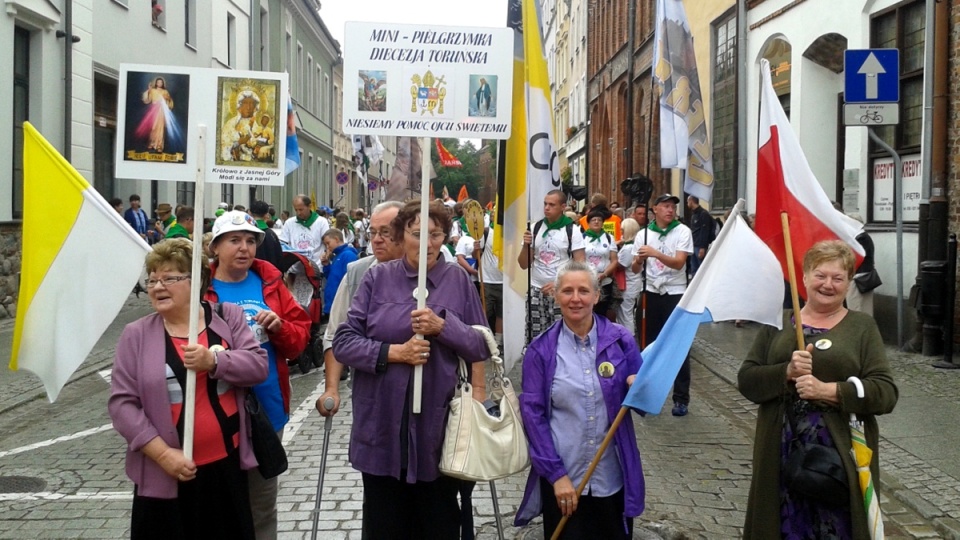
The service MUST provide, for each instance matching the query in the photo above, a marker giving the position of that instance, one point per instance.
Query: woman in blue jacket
(575, 377)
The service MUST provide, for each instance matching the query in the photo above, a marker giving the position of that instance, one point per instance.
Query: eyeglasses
(434, 236)
(384, 233)
(167, 281)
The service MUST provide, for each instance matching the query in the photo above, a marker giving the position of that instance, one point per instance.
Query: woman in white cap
(278, 322)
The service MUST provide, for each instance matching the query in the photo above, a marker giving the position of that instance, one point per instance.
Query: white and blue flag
(739, 279)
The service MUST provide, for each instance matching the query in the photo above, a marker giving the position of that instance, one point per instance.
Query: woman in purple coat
(575, 377)
(397, 451)
(176, 497)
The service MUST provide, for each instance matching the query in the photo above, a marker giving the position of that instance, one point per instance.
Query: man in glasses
(384, 249)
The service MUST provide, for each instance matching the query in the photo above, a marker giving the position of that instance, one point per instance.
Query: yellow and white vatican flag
(80, 262)
(531, 169)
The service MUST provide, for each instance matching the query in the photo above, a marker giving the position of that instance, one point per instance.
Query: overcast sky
(485, 13)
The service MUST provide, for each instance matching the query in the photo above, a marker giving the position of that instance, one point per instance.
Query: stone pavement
(697, 468)
(919, 441)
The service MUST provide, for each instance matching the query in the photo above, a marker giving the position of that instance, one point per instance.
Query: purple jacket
(614, 345)
(380, 316)
(140, 407)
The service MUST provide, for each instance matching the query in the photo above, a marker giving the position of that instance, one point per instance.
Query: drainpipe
(631, 44)
(742, 99)
(937, 230)
(68, 40)
(932, 233)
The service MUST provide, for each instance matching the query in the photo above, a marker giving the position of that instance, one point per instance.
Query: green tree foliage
(453, 178)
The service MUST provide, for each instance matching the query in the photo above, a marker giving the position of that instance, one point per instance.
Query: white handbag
(478, 446)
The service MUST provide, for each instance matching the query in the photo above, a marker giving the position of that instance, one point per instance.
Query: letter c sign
(544, 157)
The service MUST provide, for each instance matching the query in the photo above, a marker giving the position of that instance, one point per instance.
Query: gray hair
(576, 266)
(386, 205)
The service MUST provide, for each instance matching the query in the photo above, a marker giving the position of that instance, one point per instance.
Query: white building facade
(805, 43)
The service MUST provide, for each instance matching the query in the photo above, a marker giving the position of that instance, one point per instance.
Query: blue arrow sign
(871, 76)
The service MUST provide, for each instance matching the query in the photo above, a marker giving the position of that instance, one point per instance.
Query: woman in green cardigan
(839, 344)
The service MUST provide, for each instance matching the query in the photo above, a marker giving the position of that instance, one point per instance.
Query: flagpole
(421, 292)
(593, 465)
(195, 292)
(792, 273)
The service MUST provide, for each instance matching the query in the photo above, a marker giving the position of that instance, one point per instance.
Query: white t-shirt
(448, 257)
(360, 226)
(625, 256)
(489, 263)
(660, 277)
(598, 252)
(550, 252)
(465, 248)
(301, 238)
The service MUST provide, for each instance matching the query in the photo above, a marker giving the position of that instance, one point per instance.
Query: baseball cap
(223, 205)
(236, 221)
(667, 197)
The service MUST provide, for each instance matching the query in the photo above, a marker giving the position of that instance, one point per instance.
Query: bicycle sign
(871, 114)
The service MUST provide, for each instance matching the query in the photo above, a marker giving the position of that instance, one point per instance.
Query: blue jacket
(614, 345)
(334, 272)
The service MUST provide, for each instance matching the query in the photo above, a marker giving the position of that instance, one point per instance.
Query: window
(903, 28)
(190, 22)
(158, 9)
(226, 193)
(725, 112)
(320, 92)
(21, 108)
(185, 193)
(231, 40)
(310, 85)
(299, 93)
(287, 61)
(326, 103)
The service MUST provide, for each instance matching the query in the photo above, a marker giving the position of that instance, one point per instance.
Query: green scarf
(464, 230)
(177, 231)
(556, 225)
(663, 233)
(594, 236)
(450, 249)
(309, 221)
(262, 225)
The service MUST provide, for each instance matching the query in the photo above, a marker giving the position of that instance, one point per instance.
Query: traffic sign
(871, 75)
(342, 178)
(871, 114)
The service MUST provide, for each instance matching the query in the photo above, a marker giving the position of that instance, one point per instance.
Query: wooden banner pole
(792, 274)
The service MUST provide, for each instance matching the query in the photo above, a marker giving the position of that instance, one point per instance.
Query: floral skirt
(800, 518)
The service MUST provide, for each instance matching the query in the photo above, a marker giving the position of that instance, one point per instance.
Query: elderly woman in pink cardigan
(176, 497)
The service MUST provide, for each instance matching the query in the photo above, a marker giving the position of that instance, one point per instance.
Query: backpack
(536, 229)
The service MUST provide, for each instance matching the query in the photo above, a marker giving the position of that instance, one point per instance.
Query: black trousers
(659, 308)
(596, 517)
(396, 510)
(215, 505)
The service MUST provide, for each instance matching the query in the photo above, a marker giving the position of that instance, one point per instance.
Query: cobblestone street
(61, 464)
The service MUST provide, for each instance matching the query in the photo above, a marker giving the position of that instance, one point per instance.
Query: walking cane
(327, 426)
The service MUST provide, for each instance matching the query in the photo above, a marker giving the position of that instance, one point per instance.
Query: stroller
(307, 290)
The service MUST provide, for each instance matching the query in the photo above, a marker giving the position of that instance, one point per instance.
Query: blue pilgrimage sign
(871, 75)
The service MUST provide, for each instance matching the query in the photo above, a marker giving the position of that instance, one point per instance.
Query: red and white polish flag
(785, 183)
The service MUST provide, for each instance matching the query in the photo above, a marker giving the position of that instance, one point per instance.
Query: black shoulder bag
(267, 446)
(814, 471)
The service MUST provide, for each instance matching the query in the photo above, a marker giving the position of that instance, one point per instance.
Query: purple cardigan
(140, 407)
(379, 316)
(614, 345)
